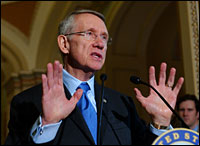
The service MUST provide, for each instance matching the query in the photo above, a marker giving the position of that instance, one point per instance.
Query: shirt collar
(196, 128)
(72, 83)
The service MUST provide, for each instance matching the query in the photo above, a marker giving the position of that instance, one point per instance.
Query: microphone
(103, 77)
(137, 80)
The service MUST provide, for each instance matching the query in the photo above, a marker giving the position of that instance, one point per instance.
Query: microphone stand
(103, 77)
(136, 80)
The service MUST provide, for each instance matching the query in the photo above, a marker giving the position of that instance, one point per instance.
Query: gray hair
(67, 24)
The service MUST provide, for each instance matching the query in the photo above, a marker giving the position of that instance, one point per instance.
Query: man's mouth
(97, 56)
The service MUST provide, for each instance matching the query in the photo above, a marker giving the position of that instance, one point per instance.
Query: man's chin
(96, 67)
(92, 69)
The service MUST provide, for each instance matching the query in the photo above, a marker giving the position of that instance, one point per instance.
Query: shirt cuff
(158, 132)
(43, 134)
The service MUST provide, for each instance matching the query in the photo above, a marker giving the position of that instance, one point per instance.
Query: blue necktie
(88, 111)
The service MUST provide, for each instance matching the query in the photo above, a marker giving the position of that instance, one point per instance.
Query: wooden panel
(19, 14)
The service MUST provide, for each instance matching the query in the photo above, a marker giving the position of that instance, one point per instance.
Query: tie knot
(84, 86)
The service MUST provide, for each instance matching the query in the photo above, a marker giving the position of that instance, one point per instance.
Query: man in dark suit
(50, 113)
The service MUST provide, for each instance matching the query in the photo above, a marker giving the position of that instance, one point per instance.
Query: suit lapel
(78, 119)
(107, 117)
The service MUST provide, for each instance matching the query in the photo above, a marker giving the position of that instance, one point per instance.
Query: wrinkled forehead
(87, 21)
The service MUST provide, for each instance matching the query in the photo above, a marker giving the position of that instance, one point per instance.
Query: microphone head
(103, 77)
(135, 80)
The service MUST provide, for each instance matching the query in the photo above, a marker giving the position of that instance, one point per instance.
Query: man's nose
(99, 43)
(185, 113)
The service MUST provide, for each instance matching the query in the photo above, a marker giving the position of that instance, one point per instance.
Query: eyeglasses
(90, 35)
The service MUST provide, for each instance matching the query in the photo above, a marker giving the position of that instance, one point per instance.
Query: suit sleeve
(18, 125)
(25, 108)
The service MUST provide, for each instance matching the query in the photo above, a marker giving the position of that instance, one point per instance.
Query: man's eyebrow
(186, 108)
(94, 30)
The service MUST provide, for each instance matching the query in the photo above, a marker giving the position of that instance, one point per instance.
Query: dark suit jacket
(120, 122)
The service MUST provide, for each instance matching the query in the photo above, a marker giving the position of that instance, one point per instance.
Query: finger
(152, 77)
(178, 85)
(44, 84)
(50, 75)
(60, 74)
(139, 97)
(170, 81)
(55, 72)
(76, 97)
(162, 76)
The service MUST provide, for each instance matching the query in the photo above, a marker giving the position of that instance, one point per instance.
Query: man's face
(188, 112)
(84, 54)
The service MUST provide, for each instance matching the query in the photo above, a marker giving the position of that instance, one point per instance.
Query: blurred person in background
(188, 109)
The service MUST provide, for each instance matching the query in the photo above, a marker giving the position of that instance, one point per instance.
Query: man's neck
(78, 73)
(194, 125)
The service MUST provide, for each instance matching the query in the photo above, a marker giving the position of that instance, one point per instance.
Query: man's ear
(63, 44)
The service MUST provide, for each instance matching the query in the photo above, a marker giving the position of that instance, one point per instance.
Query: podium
(178, 136)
